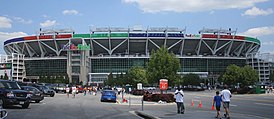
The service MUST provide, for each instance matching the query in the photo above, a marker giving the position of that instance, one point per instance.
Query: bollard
(129, 101)
(143, 104)
(1, 109)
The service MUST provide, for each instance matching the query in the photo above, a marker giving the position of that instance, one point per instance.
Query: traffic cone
(212, 107)
(124, 100)
(192, 103)
(200, 104)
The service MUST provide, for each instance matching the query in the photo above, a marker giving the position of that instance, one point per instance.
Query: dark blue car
(108, 95)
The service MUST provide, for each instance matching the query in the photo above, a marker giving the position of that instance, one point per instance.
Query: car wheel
(3, 104)
(51, 95)
(26, 105)
(37, 101)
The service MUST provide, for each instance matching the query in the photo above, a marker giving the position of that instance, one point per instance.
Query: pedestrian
(217, 101)
(226, 95)
(179, 94)
(73, 91)
(85, 90)
(95, 91)
(67, 91)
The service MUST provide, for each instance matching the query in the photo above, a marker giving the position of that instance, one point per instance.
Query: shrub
(163, 97)
(138, 92)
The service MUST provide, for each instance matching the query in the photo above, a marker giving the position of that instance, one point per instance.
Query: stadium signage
(193, 35)
(76, 47)
(5, 65)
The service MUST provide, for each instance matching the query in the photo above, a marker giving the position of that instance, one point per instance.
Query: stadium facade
(91, 57)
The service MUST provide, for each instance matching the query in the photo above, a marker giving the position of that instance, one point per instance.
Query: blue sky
(250, 17)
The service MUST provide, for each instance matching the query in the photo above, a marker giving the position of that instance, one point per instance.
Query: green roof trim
(81, 36)
(253, 40)
(101, 35)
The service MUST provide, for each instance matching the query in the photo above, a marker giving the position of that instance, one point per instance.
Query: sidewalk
(189, 114)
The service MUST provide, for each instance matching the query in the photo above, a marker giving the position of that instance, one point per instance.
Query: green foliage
(244, 75)
(6, 76)
(163, 65)
(133, 76)
(54, 79)
(191, 79)
(137, 75)
(232, 75)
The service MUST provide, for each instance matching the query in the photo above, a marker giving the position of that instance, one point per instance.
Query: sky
(249, 17)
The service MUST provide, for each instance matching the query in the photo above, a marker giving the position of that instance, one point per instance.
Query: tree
(137, 75)
(249, 76)
(245, 76)
(6, 76)
(162, 65)
(231, 75)
(191, 79)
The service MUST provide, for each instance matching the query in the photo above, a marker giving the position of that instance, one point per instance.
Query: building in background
(14, 64)
(91, 57)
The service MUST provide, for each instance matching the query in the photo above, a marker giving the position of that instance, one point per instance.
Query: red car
(80, 89)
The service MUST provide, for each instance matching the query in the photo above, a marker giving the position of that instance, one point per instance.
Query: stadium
(91, 57)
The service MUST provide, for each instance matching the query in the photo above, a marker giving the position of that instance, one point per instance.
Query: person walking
(67, 91)
(226, 96)
(85, 90)
(74, 89)
(217, 101)
(179, 94)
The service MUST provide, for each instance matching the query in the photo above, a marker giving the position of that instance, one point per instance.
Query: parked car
(11, 94)
(108, 95)
(60, 88)
(46, 90)
(36, 94)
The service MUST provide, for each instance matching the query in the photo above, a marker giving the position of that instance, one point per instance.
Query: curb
(145, 116)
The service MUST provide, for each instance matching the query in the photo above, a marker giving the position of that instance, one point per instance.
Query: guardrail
(3, 113)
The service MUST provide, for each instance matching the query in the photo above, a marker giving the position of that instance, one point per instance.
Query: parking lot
(90, 107)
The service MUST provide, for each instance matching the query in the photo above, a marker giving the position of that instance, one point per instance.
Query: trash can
(128, 88)
(260, 89)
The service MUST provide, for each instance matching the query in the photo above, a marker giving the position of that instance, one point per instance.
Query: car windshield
(11, 85)
(45, 87)
(109, 93)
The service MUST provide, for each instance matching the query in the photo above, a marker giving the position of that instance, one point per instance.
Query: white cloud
(271, 43)
(48, 23)
(254, 11)
(5, 22)
(70, 12)
(259, 31)
(21, 20)
(5, 35)
(154, 6)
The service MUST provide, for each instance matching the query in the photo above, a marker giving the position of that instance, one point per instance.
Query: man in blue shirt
(217, 101)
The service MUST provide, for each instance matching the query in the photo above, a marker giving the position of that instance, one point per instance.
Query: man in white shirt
(179, 94)
(226, 95)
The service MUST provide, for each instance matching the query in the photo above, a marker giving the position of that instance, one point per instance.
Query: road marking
(133, 112)
(233, 105)
(264, 104)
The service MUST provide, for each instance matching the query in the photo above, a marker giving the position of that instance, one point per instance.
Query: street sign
(163, 84)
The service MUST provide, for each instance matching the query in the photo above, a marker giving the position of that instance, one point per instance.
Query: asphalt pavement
(249, 106)
(255, 106)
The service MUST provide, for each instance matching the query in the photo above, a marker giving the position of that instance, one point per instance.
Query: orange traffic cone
(212, 107)
(192, 103)
(200, 104)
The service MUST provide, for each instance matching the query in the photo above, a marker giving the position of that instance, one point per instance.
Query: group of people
(86, 90)
(223, 98)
